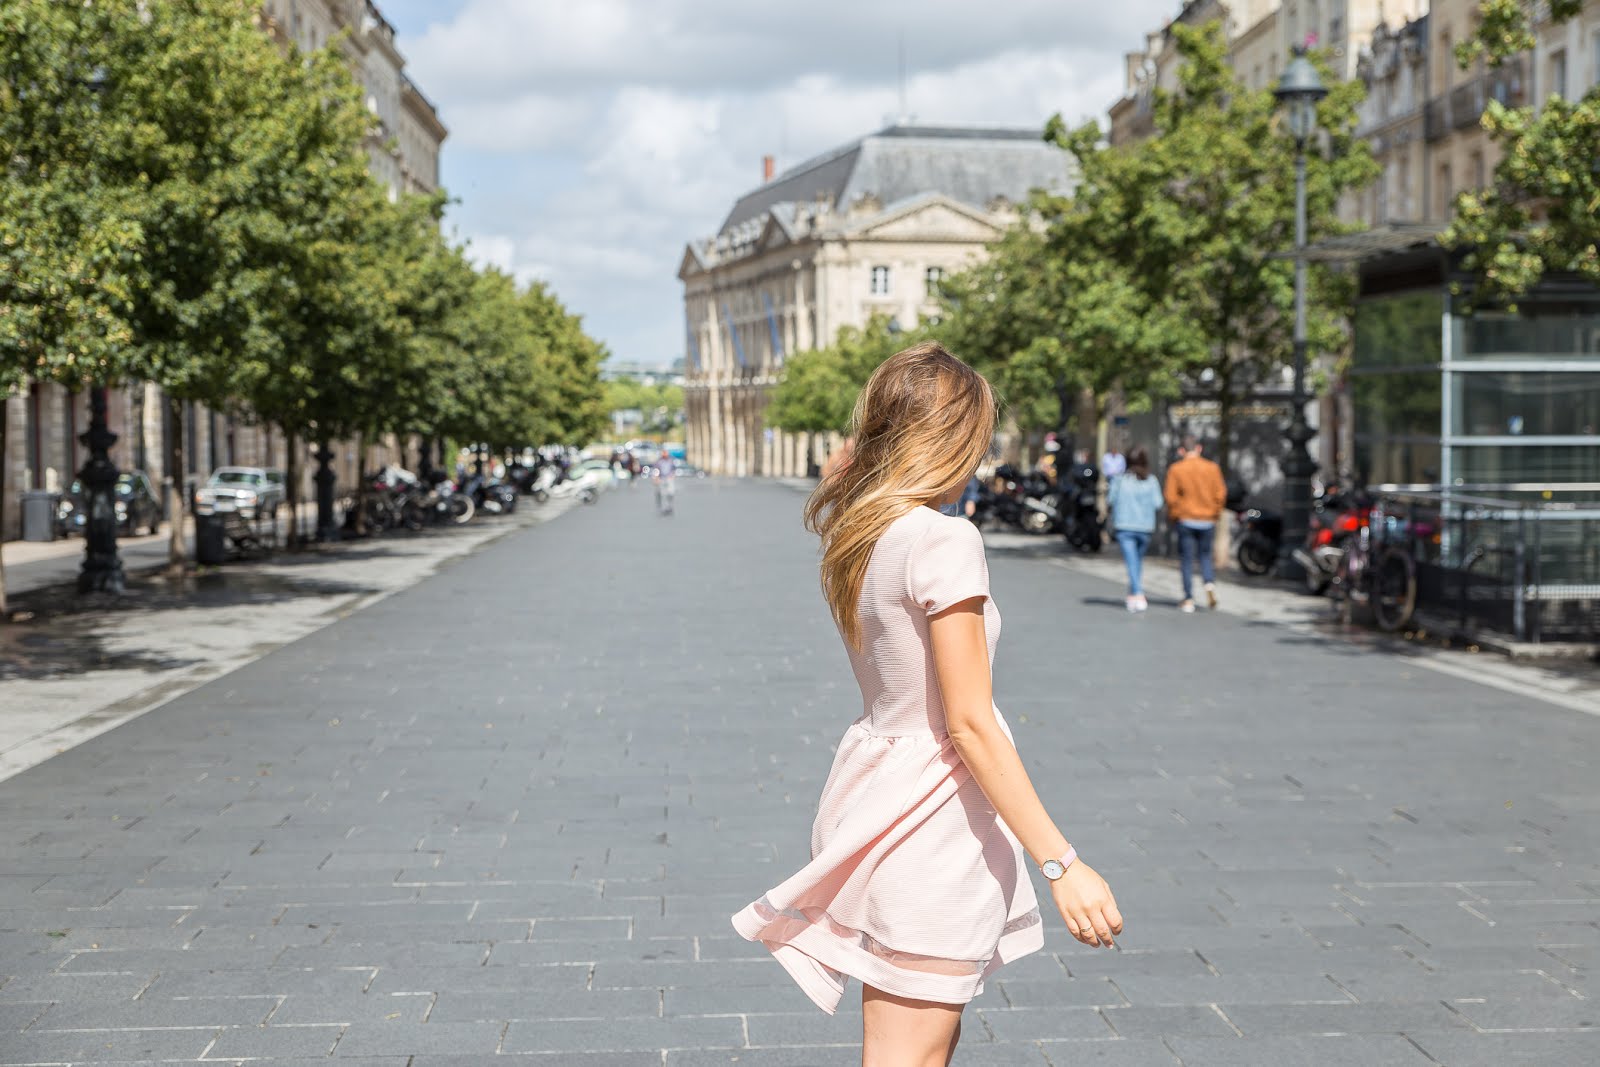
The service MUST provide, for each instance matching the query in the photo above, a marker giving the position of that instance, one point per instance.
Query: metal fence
(1526, 568)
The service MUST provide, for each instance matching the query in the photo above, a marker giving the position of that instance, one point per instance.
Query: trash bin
(210, 540)
(39, 515)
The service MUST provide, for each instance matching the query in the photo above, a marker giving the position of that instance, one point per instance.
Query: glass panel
(1533, 403)
(1397, 405)
(1489, 465)
(1542, 333)
(1398, 331)
(1392, 462)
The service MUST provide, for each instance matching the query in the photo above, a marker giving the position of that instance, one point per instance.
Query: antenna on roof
(902, 118)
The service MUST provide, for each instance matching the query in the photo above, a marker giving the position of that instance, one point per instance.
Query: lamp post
(102, 567)
(1299, 90)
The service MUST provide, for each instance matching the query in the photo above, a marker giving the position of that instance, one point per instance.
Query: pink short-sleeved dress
(915, 886)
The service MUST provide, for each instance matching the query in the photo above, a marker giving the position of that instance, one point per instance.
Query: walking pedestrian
(1114, 464)
(666, 479)
(1195, 497)
(1135, 499)
(917, 885)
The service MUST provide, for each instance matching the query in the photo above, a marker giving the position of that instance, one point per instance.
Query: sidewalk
(1569, 684)
(70, 670)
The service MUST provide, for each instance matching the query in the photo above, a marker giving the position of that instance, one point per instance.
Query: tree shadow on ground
(56, 633)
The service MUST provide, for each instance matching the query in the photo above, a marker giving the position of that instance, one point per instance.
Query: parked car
(249, 492)
(138, 507)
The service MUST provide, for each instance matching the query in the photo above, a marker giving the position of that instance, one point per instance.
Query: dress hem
(819, 960)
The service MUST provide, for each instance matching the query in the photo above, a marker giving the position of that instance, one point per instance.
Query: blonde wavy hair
(921, 426)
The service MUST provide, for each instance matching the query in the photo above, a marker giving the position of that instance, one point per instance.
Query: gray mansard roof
(971, 165)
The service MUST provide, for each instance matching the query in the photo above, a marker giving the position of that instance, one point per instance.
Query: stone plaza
(504, 815)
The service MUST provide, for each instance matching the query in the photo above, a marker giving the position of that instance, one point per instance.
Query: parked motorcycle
(553, 484)
(1339, 518)
(1078, 504)
(491, 496)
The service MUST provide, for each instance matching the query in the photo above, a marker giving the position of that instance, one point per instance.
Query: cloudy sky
(592, 139)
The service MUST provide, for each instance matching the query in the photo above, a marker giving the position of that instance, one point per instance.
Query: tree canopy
(1541, 214)
(1163, 266)
(185, 204)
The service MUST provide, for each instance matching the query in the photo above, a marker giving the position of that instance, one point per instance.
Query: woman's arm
(961, 661)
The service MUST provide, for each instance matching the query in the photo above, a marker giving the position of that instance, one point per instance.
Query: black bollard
(327, 529)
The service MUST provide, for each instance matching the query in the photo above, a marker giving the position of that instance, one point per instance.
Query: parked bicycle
(1377, 570)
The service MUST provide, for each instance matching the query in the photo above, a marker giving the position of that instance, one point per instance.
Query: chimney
(766, 169)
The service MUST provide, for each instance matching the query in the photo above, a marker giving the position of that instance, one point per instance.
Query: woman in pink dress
(917, 885)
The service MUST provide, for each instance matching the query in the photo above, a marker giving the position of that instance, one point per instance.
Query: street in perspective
(449, 450)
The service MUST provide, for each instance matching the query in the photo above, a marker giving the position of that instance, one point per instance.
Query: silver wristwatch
(1054, 869)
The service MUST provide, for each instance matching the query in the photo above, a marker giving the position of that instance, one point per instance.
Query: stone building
(869, 228)
(41, 448)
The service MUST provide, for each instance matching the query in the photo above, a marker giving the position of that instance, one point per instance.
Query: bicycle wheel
(1394, 589)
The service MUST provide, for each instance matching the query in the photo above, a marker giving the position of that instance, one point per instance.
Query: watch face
(1053, 869)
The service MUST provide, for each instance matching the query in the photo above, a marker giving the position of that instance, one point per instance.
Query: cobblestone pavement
(504, 816)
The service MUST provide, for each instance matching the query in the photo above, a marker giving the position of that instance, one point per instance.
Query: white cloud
(638, 123)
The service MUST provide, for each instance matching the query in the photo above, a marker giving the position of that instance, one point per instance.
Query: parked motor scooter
(1078, 503)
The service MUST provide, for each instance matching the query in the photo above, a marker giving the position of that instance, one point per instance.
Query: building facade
(42, 451)
(869, 229)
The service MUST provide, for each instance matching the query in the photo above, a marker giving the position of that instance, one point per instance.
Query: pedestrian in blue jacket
(1135, 500)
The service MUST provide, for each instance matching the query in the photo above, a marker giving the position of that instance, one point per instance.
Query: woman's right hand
(1086, 903)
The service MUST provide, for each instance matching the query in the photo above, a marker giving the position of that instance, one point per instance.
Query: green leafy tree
(818, 390)
(69, 233)
(1541, 214)
(1164, 252)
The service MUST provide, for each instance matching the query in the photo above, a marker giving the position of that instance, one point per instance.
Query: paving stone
(635, 1035)
(1367, 1050)
(1461, 1049)
(93, 1046)
(1267, 1019)
(273, 1043)
(398, 1037)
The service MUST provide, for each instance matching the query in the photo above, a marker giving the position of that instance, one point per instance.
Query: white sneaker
(1211, 596)
(1143, 604)
(1187, 607)
(1133, 603)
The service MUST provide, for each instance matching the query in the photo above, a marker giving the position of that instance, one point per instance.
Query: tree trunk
(291, 484)
(361, 485)
(5, 408)
(177, 550)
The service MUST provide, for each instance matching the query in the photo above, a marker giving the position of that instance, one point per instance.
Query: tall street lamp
(1299, 90)
(102, 566)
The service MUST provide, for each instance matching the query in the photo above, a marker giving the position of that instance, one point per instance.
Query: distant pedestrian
(1135, 499)
(666, 478)
(1196, 494)
(1114, 464)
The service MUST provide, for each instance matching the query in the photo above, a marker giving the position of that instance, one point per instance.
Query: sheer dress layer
(915, 885)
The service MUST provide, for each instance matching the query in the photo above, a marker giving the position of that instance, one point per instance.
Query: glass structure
(1489, 403)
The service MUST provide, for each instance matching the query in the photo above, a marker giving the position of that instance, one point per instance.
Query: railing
(1463, 106)
(1527, 568)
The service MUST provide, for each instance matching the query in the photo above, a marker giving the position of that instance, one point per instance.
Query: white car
(249, 492)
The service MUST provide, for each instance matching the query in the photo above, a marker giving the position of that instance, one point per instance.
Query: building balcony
(1463, 106)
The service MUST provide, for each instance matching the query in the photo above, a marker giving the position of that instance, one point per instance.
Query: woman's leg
(1129, 544)
(1135, 557)
(899, 1032)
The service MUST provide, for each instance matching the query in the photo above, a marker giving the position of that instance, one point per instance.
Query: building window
(880, 281)
(1558, 74)
(1479, 178)
(933, 276)
(1447, 190)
